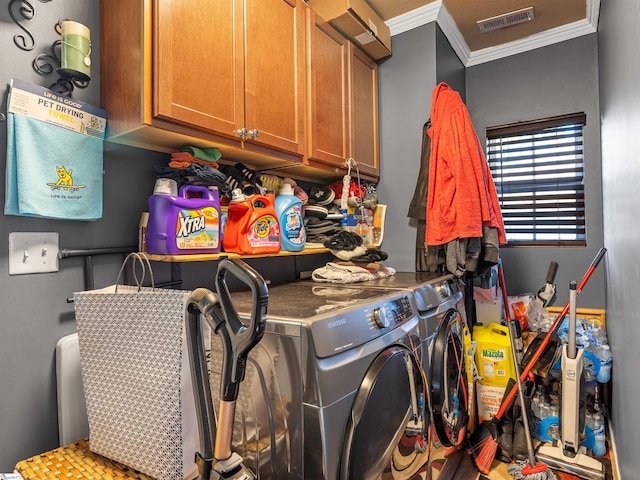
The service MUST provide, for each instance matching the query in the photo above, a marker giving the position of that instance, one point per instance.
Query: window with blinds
(538, 171)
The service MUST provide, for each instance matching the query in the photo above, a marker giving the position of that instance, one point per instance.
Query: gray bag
(137, 378)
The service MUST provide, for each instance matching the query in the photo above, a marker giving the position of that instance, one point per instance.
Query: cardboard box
(489, 311)
(356, 20)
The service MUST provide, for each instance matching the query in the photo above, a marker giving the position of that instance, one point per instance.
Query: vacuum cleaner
(569, 456)
(238, 338)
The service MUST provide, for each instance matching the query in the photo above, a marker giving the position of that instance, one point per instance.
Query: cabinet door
(328, 95)
(363, 90)
(198, 63)
(275, 73)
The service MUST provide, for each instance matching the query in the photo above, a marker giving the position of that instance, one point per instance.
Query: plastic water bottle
(537, 403)
(590, 424)
(596, 438)
(597, 334)
(603, 374)
(598, 361)
(599, 447)
(553, 429)
(545, 418)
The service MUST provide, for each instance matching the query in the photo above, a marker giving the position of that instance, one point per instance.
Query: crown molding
(415, 18)
(543, 39)
(437, 12)
(448, 26)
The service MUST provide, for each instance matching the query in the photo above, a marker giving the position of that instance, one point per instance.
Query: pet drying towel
(51, 171)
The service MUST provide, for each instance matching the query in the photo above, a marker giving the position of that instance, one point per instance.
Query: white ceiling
(554, 21)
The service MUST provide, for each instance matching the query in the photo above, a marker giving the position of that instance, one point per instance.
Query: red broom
(483, 441)
(522, 470)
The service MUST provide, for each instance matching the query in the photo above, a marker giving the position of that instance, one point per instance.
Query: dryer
(442, 319)
(333, 389)
(435, 295)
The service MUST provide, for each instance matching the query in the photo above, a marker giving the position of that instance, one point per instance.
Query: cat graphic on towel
(65, 180)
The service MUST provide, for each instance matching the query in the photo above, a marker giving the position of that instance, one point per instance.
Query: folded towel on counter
(54, 155)
(336, 272)
(52, 172)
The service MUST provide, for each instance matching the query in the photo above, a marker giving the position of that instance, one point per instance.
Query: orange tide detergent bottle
(188, 223)
(252, 226)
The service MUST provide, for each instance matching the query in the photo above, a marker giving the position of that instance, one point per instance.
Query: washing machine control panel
(396, 311)
(380, 317)
(348, 328)
(430, 296)
(402, 309)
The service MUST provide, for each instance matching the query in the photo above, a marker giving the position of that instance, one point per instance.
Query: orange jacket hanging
(461, 198)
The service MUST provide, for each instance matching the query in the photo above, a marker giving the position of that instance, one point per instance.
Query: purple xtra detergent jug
(185, 224)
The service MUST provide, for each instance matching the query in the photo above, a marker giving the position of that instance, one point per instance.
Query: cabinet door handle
(242, 133)
(254, 133)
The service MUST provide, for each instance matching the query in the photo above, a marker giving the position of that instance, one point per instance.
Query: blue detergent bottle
(289, 213)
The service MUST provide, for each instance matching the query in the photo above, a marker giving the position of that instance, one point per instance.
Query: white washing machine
(333, 390)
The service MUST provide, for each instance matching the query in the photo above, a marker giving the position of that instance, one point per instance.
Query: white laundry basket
(73, 424)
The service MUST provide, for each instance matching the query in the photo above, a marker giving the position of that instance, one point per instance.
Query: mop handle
(512, 332)
(571, 347)
(545, 341)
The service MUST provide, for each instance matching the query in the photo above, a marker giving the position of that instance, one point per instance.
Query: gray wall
(421, 59)
(35, 313)
(620, 114)
(449, 69)
(554, 80)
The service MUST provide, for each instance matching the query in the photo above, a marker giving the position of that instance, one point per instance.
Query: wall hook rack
(24, 41)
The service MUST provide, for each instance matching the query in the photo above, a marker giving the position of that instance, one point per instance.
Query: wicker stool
(75, 461)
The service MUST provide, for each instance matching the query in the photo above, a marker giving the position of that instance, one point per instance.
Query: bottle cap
(237, 195)
(286, 189)
(165, 186)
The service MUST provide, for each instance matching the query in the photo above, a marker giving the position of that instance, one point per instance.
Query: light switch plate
(33, 252)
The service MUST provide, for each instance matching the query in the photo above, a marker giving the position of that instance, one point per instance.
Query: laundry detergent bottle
(289, 212)
(252, 226)
(239, 213)
(187, 223)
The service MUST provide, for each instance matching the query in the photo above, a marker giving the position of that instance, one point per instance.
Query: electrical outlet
(33, 252)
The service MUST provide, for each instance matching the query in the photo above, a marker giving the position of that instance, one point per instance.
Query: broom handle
(545, 341)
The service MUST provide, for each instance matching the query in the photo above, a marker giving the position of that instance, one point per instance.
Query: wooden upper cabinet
(266, 81)
(218, 67)
(275, 74)
(198, 64)
(328, 94)
(342, 101)
(363, 92)
(233, 65)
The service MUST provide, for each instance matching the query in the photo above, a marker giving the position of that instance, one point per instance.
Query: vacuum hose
(202, 301)
(238, 338)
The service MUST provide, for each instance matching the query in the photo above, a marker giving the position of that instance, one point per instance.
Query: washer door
(383, 433)
(449, 395)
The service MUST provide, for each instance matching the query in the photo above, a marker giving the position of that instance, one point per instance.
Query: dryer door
(449, 383)
(387, 429)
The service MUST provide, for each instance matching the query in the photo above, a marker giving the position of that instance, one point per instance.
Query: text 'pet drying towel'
(54, 155)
